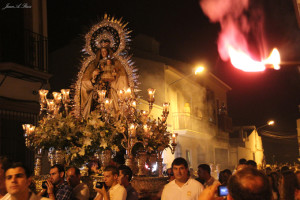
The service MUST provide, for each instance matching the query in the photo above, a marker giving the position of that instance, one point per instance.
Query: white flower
(103, 144)
(87, 141)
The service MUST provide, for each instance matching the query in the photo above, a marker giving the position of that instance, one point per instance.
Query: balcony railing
(225, 122)
(187, 121)
(26, 48)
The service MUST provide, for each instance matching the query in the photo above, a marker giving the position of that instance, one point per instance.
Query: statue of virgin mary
(107, 67)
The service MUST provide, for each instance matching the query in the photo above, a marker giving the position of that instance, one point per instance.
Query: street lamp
(269, 123)
(199, 70)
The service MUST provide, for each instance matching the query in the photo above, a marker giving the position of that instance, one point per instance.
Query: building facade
(23, 71)
(197, 106)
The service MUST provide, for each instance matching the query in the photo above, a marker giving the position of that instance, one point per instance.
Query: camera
(222, 191)
(100, 185)
(44, 186)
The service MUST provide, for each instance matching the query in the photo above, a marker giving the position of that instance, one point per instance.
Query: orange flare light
(244, 62)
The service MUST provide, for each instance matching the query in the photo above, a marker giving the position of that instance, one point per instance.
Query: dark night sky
(186, 34)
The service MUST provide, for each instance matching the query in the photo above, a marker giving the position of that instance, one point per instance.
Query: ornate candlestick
(38, 162)
(165, 111)
(101, 95)
(57, 101)
(174, 142)
(151, 99)
(28, 131)
(43, 100)
(51, 106)
(66, 99)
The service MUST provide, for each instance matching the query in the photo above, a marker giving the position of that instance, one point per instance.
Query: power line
(276, 135)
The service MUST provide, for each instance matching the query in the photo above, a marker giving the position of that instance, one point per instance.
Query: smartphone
(222, 191)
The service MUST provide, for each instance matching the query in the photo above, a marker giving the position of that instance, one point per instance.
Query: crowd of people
(16, 179)
(246, 182)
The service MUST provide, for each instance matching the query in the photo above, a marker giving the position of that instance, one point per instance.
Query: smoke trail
(241, 27)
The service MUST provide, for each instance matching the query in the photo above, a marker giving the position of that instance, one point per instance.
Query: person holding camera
(17, 181)
(80, 190)
(56, 188)
(183, 187)
(245, 184)
(110, 189)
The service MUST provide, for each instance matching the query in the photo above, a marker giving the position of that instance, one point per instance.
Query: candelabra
(28, 131)
(121, 107)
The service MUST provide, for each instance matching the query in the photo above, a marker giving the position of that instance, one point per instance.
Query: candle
(151, 93)
(128, 93)
(101, 94)
(31, 129)
(166, 107)
(107, 103)
(146, 130)
(28, 128)
(57, 97)
(174, 135)
(144, 112)
(51, 105)
(132, 129)
(65, 95)
(43, 93)
(133, 104)
(121, 94)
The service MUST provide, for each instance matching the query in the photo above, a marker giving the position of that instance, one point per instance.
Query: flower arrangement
(81, 138)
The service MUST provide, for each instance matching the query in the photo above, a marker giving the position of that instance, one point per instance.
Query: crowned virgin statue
(107, 67)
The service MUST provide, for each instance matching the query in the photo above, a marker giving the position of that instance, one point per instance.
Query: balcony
(225, 122)
(24, 47)
(184, 120)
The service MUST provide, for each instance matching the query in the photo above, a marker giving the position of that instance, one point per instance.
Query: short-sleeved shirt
(63, 191)
(189, 191)
(81, 192)
(117, 192)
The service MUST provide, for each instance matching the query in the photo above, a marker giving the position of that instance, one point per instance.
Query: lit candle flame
(166, 106)
(43, 94)
(28, 128)
(151, 93)
(174, 136)
(132, 128)
(133, 104)
(101, 94)
(51, 104)
(56, 96)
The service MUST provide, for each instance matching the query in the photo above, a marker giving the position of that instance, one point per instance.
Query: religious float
(100, 115)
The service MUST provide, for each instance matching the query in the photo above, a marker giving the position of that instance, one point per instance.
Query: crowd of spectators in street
(246, 182)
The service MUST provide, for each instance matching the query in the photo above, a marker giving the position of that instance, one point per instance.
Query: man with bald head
(249, 184)
(245, 184)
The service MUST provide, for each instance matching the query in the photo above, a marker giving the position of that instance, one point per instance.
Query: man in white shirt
(80, 190)
(115, 191)
(183, 187)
